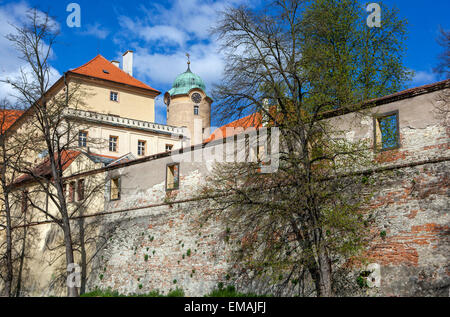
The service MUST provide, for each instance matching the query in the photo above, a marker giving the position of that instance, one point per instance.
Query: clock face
(196, 97)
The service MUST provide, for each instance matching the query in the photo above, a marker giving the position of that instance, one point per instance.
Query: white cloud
(96, 30)
(157, 34)
(162, 36)
(423, 78)
(10, 62)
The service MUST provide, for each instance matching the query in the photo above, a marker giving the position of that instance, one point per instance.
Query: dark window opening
(387, 132)
(115, 188)
(71, 192)
(172, 176)
(80, 189)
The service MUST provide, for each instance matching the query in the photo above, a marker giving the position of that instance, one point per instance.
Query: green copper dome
(185, 82)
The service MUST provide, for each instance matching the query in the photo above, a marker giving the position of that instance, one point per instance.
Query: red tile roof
(253, 120)
(8, 117)
(44, 168)
(99, 64)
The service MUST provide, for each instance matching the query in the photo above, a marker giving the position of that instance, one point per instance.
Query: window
(386, 131)
(71, 197)
(115, 188)
(113, 143)
(80, 189)
(24, 201)
(196, 110)
(141, 147)
(172, 176)
(169, 147)
(114, 96)
(82, 138)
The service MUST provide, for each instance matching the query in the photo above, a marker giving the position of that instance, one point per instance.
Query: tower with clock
(189, 106)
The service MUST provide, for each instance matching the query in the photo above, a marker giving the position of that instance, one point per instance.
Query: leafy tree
(292, 63)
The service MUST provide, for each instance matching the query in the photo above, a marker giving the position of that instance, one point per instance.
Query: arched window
(196, 110)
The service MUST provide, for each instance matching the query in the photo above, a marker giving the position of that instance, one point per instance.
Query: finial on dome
(189, 61)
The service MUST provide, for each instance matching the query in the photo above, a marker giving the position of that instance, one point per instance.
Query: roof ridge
(87, 63)
(94, 67)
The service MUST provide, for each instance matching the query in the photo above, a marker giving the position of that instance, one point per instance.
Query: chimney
(115, 63)
(127, 63)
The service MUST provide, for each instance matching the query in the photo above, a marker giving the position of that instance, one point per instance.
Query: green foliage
(230, 291)
(101, 293)
(383, 234)
(361, 281)
(178, 292)
(346, 61)
(188, 252)
(146, 257)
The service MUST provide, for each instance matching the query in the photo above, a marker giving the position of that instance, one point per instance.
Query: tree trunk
(83, 257)
(9, 262)
(324, 274)
(72, 291)
(22, 260)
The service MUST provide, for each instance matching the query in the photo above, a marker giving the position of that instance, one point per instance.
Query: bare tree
(442, 107)
(49, 129)
(443, 68)
(11, 153)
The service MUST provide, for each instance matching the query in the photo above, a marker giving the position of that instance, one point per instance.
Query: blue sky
(161, 32)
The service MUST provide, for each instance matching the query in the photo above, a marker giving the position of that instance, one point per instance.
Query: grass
(220, 291)
(110, 293)
(230, 291)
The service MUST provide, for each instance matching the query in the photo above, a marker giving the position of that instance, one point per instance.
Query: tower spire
(188, 62)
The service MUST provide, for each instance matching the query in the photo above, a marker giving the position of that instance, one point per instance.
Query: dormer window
(114, 96)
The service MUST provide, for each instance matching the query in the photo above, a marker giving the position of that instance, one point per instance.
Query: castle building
(151, 200)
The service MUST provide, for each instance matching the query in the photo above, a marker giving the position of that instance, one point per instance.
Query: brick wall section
(164, 234)
(414, 212)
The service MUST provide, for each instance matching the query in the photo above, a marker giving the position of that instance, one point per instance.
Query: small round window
(196, 97)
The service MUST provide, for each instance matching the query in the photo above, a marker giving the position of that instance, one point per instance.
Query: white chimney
(115, 63)
(127, 63)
